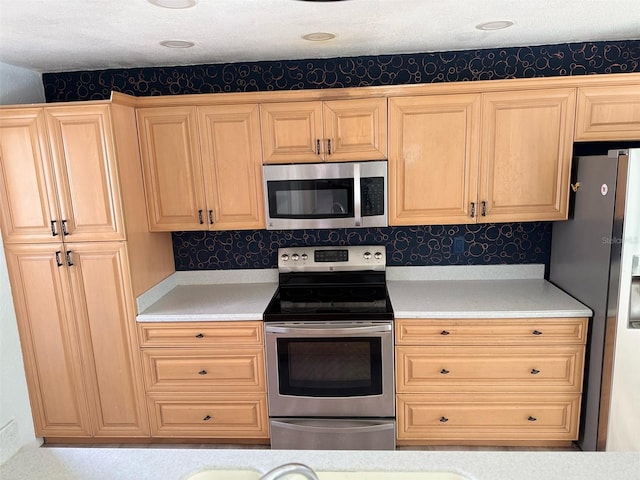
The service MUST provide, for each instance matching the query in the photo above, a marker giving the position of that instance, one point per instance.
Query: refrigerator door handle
(634, 301)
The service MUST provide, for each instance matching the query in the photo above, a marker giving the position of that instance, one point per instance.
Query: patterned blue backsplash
(423, 245)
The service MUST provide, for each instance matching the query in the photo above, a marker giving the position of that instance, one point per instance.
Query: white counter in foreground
(176, 463)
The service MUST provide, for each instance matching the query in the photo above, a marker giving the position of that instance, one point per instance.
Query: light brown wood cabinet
(608, 113)
(202, 167)
(205, 379)
(489, 381)
(329, 131)
(490, 157)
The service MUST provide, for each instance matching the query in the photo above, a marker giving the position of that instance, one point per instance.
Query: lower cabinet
(205, 379)
(469, 381)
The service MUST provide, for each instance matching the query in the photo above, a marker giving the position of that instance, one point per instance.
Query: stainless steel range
(329, 349)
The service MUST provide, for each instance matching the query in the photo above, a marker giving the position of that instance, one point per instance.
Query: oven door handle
(324, 330)
(332, 426)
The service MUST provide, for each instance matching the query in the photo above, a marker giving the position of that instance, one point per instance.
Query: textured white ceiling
(68, 35)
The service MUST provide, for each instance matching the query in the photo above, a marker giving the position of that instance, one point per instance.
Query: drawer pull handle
(535, 371)
(207, 418)
(444, 332)
(200, 335)
(444, 419)
(202, 372)
(537, 332)
(444, 371)
(532, 419)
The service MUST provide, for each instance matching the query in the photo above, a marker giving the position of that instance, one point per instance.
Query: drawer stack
(489, 381)
(205, 379)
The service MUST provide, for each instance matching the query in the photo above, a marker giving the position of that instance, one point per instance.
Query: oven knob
(284, 257)
(377, 255)
(304, 256)
(295, 257)
(367, 255)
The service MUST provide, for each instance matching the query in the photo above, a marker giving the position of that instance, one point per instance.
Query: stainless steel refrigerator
(585, 262)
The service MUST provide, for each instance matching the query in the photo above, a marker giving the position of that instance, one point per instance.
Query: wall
(17, 85)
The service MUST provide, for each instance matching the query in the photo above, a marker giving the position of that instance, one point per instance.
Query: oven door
(339, 369)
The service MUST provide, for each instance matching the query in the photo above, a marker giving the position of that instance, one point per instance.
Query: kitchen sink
(224, 475)
(254, 475)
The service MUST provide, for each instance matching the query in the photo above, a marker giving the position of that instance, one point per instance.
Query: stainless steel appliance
(586, 262)
(329, 350)
(326, 195)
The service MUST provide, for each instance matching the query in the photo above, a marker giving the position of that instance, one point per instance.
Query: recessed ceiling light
(177, 44)
(174, 3)
(318, 36)
(497, 25)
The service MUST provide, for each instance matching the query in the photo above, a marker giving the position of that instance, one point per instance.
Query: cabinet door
(106, 326)
(84, 159)
(232, 166)
(526, 155)
(28, 198)
(355, 129)
(172, 168)
(48, 336)
(433, 159)
(292, 132)
(608, 113)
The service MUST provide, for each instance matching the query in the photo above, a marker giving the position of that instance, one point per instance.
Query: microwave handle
(357, 193)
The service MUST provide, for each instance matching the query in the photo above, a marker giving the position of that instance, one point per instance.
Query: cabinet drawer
(178, 370)
(489, 369)
(237, 416)
(200, 334)
(473, 331)
(492, 417)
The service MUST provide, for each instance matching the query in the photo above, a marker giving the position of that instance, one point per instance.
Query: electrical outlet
(458, 245)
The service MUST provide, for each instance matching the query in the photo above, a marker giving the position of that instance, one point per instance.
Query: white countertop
(501, 291)
(175, 463)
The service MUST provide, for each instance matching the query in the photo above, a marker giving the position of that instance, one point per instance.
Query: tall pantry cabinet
(78, 253)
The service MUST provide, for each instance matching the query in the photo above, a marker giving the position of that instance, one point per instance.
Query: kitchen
(463, 232)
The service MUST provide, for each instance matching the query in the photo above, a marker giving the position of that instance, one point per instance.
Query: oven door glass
(330, 367)
(314, 199)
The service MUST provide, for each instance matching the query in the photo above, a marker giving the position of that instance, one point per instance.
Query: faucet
(290, 468)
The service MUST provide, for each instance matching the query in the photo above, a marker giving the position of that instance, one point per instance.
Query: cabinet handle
(444, 371)
(329, 146)
(200, 217)
(68, 255)
(210, 217)
(54, 232)
(200, 335)
(202, 372)
(534, 371)
(65, 232)
(532, 419)
(444, 419)
(444, 332)
(58, 262)
(472, 214)
(207, 418)
(536, 332)
(318, 146)
(484, 209)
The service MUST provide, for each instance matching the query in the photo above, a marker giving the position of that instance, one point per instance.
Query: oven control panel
(330, 259)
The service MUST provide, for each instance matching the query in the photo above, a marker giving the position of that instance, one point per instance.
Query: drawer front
(489, 369)
(507, 331)
(491, 417)
(200, 334)
(237, 416)
(179, 370)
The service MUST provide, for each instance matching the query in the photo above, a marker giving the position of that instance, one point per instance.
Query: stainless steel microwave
(326, 195)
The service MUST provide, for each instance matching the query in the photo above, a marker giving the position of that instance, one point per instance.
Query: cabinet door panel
(172, 168)
(232, 166)
(86, 172)
(107, 337)
(433, 159)
(49, 341)
(28, 198)
(608, 113)
(526, 155)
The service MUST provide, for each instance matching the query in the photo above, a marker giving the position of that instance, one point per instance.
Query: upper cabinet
(202, 167)
(608, 113)
(494, 157)
(58, 175)
(333, 131)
